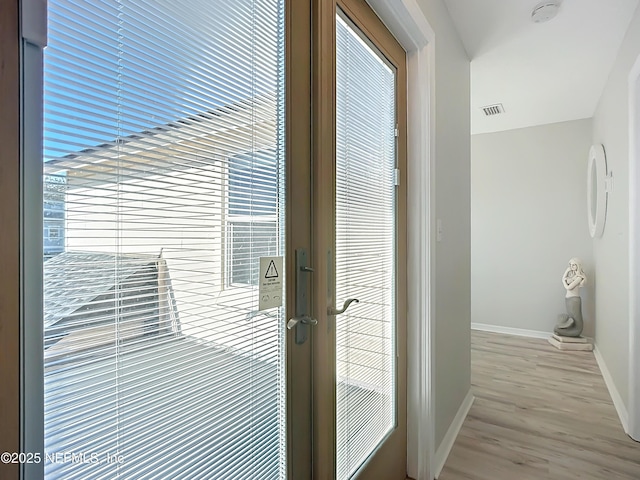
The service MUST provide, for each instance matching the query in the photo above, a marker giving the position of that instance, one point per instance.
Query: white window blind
(365, 249)
(163, 185)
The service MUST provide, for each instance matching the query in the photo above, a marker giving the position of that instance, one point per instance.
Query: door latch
(301, 321)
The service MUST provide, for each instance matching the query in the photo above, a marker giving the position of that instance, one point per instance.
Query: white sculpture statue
(570, 324)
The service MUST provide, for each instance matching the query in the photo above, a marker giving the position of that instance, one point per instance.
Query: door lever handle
(304, 319)
(347, 302)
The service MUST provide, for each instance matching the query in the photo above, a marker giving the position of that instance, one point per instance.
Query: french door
(169, 208)
(359, 235)
(207, 178)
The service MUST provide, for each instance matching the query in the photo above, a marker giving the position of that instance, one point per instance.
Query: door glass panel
(365, 248)
(163, 184)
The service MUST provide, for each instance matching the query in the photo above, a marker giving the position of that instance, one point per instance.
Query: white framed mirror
(597, 190)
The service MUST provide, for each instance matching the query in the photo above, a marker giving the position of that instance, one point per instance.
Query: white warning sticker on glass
(271, 276)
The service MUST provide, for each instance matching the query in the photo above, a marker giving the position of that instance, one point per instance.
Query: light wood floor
(539, 413)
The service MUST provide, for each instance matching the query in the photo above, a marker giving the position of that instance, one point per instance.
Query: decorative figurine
(570, 324)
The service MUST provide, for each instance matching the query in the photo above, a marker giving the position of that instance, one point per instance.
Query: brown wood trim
(324, 154)
(9, 234)
(298, 230)
(360, 13)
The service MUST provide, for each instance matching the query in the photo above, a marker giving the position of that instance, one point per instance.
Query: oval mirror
(597, 190)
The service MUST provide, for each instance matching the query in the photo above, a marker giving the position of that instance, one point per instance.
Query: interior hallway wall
(529, 217)
(451, 281)
(610, 128)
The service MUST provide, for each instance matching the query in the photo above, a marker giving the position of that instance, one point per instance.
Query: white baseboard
(613, 391)
(449, 439)
(510, 331)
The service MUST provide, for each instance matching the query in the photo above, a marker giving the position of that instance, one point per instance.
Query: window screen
(163, 185)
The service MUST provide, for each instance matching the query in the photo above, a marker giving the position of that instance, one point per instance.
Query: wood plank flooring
(539, 413)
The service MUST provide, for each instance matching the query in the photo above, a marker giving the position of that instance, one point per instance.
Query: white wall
(610, 127)
(452, 205)
(529, 217)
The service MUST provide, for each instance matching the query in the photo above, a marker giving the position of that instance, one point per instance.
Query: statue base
(571, 343)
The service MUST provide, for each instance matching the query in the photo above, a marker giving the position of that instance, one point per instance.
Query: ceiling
(540, 72)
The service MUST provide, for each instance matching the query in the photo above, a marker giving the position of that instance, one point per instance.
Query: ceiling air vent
(490, 110)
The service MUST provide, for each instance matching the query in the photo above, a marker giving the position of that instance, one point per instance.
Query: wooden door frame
(408, 23)
(324, 152)
(10, 233)
(298, 227)
(385, 465)
(323, 157)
